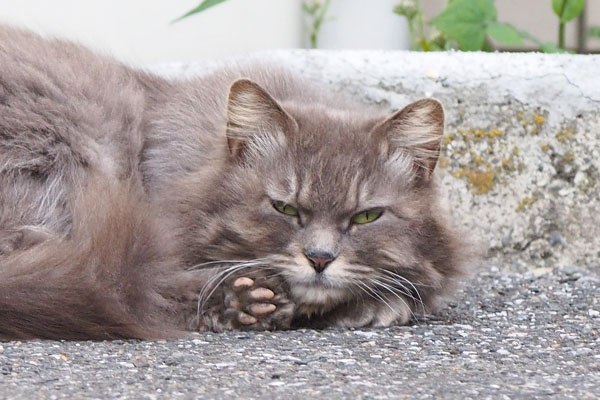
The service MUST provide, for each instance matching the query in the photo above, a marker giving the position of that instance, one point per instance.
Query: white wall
(364, 24)
(138, 31)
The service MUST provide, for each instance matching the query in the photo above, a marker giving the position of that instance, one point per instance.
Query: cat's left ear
(415, 130)
(251, 111)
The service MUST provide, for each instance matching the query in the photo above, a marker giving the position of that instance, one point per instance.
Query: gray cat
(134, 206)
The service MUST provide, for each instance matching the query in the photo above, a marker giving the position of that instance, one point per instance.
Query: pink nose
(319, 259)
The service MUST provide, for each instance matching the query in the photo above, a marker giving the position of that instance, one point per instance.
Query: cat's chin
(318, 297)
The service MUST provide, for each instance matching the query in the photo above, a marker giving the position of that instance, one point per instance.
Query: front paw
(252, 304)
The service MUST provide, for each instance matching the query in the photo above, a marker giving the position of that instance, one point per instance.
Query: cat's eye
(367, 216)
(285, 208)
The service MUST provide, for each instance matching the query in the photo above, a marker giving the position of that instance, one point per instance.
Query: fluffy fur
(129, 203)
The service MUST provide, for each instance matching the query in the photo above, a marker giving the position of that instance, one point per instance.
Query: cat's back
(43, 69)
(67, 115)
(61, 101)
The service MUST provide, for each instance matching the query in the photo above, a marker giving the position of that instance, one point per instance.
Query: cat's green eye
(366, 216)
(285, 208)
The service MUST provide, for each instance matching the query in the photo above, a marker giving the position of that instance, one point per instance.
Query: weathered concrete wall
(521, 158)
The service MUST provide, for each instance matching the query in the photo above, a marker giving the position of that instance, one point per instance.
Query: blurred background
(140, 32)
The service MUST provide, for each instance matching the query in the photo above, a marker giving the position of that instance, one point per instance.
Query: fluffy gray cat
(134, 206)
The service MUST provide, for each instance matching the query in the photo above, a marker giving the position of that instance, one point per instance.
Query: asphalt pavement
(511, 333)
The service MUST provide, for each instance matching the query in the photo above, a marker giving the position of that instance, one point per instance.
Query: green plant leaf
(567, 9)
(203, 6)
(548, 47)
(466, 22)
(306, 9)
(407, 9)
(504, 33)
(594, 31)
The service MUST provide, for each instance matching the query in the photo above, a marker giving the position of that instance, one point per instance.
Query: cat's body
(129, 204)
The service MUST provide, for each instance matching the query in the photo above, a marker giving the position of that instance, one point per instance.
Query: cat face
(338, 203)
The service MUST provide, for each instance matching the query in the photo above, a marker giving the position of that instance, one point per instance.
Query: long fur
(94, 283)
(128, 202)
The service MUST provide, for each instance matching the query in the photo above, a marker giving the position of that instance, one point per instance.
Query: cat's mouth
(324, 289)
(320, 282)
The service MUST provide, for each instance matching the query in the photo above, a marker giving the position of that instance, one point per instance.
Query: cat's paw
(253, 304)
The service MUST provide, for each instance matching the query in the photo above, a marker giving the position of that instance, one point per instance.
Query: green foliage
(504, 33)
(566, 10)
(316, 10)
(548, 47)
(466, 22)
(545, 47)
(472, 22)
(206, 4)
(594, 32)
(468, 25)
(411, 9)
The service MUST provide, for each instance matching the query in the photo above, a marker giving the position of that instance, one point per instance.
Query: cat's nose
(319, 259)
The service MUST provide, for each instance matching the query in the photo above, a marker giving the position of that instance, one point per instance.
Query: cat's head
(340, 202)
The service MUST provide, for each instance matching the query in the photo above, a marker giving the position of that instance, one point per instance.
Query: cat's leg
(396, 311)
(256, 303)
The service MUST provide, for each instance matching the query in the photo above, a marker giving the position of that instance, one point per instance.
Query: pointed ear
(251, 110)
(415, 130)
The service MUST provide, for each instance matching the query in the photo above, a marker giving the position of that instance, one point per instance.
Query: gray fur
(129, 202)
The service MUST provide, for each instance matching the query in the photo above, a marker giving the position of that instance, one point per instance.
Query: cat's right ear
(251, 111)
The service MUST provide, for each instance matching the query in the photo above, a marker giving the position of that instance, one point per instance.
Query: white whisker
(203, 299)
(401, 287)
(379, 297)
(355, 283)
(198, 266)
(392, 291)
(361, 286)
(411, 284)
(209, 288)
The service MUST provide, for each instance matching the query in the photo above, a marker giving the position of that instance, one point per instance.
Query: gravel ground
(509, 334)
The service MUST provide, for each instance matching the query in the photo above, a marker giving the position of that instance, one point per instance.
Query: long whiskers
(376, 296)
(401, 288)
(393, 290)
(406, 280)
(416, 291)
(217, 280)
(394, 284)
(210, 264)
